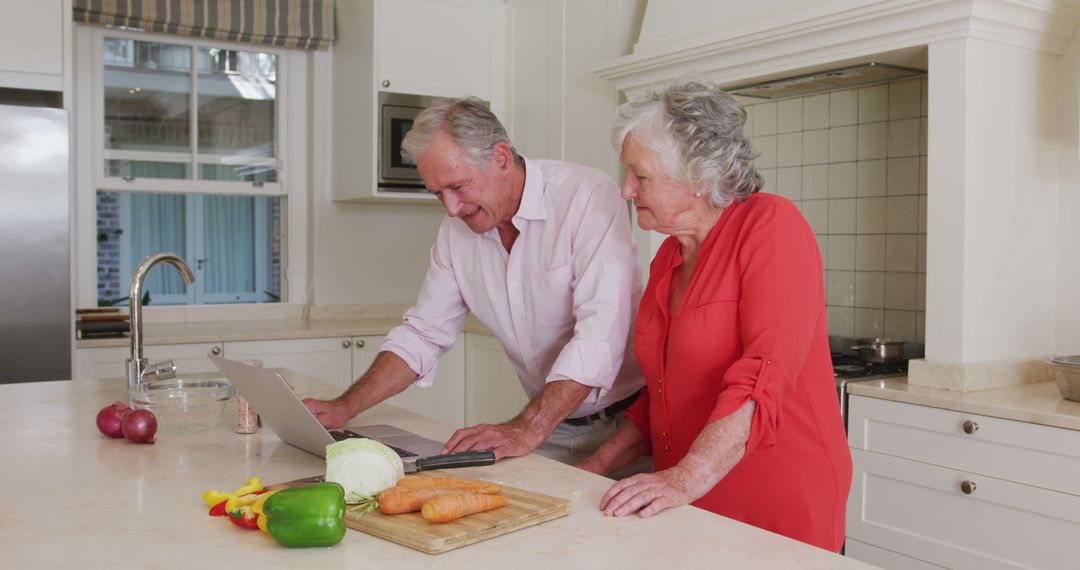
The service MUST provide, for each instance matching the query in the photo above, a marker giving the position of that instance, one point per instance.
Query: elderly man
(540, 251)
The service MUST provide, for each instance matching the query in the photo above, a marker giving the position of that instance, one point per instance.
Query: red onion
(110, 417)
(139, 426)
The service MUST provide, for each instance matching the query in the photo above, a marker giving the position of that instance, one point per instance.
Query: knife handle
(455, 460)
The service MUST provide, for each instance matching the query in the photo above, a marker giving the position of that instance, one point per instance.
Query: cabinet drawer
(1015, 451)
(921, 510)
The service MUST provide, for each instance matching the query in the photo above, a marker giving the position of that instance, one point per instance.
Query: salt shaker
(247, 419)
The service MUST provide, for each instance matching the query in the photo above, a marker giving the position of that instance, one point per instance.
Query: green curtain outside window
(305, 24)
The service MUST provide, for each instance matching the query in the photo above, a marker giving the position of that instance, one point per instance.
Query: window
(187, 153)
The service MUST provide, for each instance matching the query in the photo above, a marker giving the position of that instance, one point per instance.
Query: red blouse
(751, 325)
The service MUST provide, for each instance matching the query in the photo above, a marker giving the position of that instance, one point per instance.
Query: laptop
(290, 419)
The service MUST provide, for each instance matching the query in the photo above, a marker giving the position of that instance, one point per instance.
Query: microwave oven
(396, 114)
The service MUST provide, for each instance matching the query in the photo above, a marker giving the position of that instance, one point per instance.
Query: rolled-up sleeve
(432, 325)
(779, 310)
(606, 283)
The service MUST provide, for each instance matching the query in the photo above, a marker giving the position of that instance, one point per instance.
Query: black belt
(606, 413)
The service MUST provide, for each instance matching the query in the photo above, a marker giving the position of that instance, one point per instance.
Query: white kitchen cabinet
(493, 392)
(457, 49)
(32, 44)
(444, 400)
(110, 362)
(961, 490)
(326, 359)
(447, 53)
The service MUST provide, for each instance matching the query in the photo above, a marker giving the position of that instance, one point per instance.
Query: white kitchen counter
(1038, 403)
(75, 498)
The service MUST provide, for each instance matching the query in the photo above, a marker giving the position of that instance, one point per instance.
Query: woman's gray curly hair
(697, 129)
(468, 121)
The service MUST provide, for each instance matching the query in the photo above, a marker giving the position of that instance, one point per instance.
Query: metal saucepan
(879, 350)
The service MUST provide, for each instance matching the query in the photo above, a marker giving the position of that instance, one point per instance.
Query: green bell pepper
(313, 515)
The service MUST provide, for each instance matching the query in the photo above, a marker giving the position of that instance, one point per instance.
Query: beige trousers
(571, 444)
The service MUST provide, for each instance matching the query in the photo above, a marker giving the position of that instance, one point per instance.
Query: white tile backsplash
(869, 289)
(768, 180)
(789, 116)
(843, 144)
(815, 112)
(789, 182)
(905, 99)
(789, 150)
(903, 138)
(870, 216)
(902, 176)
(873, 141)
(841, 216)
(764, 119)
(844, 108)
(815, 147)
(901, 252)
(842, 179)
(854, 163)
(874, 104)
(901, 214)
(870, 253)
(815, 182)
(871, 178)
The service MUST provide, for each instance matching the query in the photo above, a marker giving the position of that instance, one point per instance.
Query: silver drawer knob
(970, 427)
(346, 343)
(215, 351)
(968, 487)
(360, 344)
(386, 83)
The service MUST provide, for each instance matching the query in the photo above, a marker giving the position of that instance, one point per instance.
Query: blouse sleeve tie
(754, 378)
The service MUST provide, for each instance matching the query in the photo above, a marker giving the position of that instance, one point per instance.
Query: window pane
(237, 92)
(147, 108)
(233, 245)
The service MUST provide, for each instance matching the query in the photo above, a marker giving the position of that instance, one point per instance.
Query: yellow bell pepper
(257, 508)
(213, 497)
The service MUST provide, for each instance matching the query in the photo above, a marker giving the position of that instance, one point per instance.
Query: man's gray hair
(697, 130)
(468, 122)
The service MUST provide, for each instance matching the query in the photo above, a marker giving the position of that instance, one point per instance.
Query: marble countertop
(1038, 403)
(75, 498)
(278, 329)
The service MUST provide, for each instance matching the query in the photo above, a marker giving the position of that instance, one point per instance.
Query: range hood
(828, 80)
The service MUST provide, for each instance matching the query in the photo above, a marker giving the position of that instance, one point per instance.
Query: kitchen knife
(451, 461)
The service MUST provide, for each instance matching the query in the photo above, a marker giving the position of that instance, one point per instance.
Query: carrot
(398, 500)
(464, 485)
(452, 506)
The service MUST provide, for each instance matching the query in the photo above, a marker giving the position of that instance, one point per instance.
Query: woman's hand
(649, 493)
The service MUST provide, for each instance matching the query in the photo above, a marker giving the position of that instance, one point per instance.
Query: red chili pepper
(245, 518)
(218, 510)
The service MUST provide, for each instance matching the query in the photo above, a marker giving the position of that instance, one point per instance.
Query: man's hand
(330, 413)
(511, 439)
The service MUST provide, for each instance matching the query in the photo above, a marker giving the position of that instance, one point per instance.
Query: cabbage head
(364, 467)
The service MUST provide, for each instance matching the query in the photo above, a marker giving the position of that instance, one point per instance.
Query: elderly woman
(740, 410)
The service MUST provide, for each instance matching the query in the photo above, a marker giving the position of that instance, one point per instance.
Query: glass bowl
(183, 405)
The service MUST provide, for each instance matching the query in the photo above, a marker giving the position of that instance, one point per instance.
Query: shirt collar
(532, 205)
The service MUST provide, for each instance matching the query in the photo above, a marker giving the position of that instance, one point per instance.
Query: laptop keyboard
(341, 434)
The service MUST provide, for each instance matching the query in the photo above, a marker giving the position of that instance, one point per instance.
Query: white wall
(1068, 211)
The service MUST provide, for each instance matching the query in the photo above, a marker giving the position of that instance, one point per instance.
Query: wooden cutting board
(525, 509)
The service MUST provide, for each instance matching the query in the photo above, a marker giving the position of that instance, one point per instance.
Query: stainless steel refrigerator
(35, 258)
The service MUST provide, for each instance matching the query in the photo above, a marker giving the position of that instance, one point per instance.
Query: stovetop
(848, 367)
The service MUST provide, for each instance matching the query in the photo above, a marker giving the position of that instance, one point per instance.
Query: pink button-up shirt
(561, 302)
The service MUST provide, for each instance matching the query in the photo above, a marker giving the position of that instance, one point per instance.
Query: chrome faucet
(138, 367)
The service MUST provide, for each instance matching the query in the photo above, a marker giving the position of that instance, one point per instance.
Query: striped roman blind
(305, 24)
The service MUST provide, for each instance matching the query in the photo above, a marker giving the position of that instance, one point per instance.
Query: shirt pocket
(552, 295)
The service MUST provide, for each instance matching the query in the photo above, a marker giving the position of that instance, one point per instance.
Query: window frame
(293, 133)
